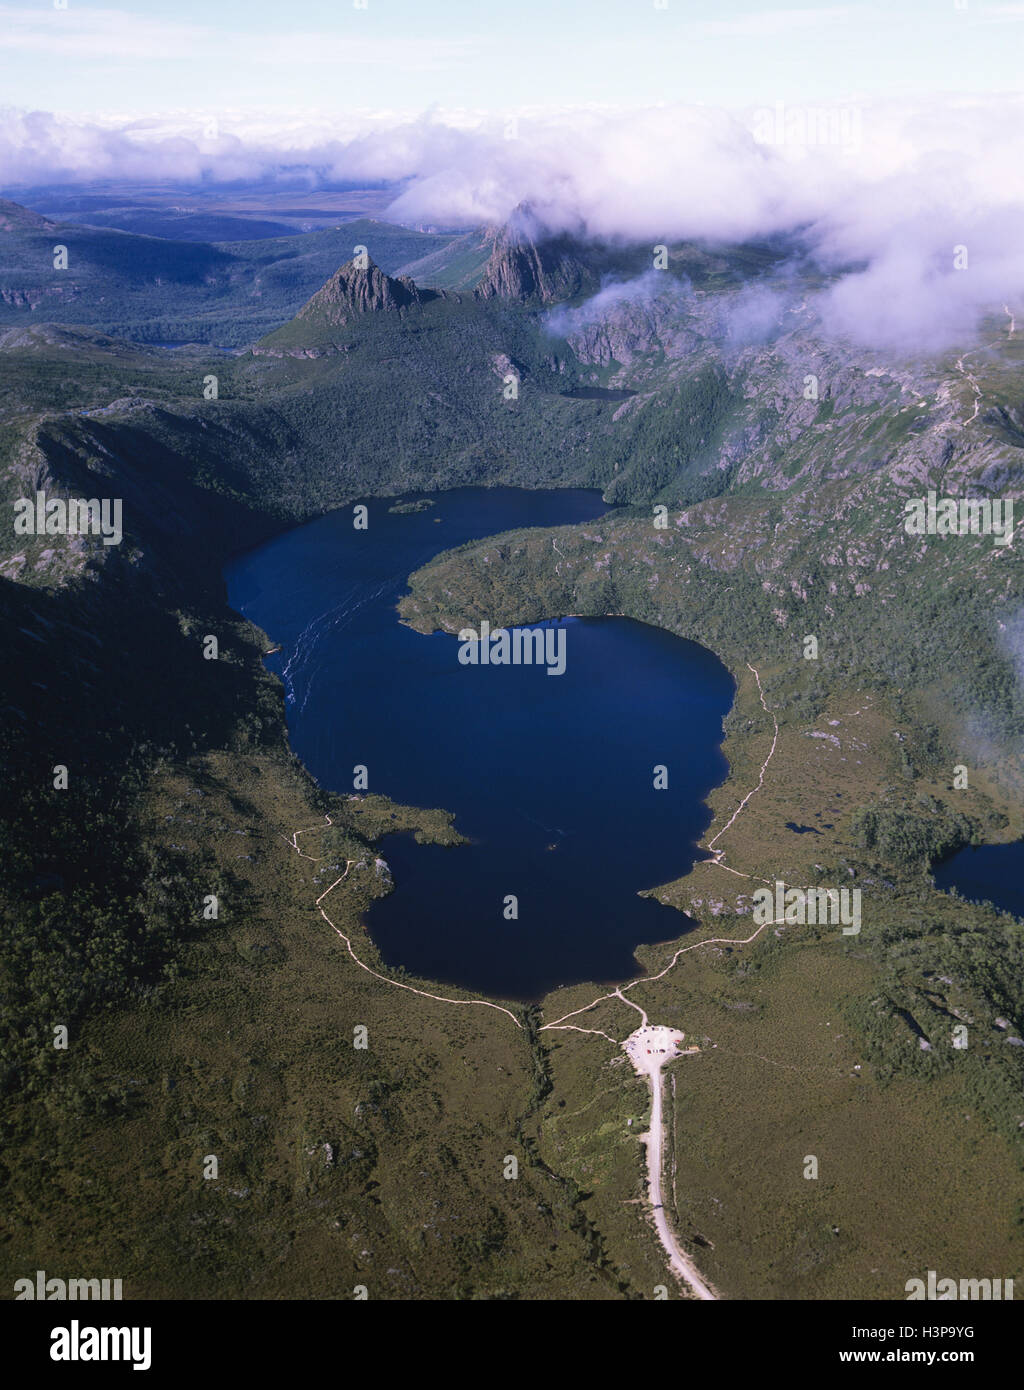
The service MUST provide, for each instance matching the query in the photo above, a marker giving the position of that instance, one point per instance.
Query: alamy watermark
(838, 126)
(78, 1343)
(935, 1288)
(60, 1289)
(808, 907)
(71, 516)
(964, 516)
(518, 646)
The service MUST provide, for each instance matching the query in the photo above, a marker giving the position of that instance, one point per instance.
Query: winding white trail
(425, 994)
(969, 377)
(647, 1062)
(719, 854)
(619, 991)
(647, 979)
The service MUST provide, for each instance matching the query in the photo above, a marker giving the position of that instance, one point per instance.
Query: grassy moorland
(810, 1040)
(154, 289)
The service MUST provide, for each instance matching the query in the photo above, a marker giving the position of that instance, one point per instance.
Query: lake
(550, 776)
(992, 873)
(597, 393)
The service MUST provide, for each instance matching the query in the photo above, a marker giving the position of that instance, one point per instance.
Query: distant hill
(209, 212)
(161, 291)
(351, 293)
(179, 225)
(459, 265)
(15, 218)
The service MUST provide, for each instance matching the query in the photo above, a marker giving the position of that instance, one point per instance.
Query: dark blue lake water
(993, 873)
(551, 777)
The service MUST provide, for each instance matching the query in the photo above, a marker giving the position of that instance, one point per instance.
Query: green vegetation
(234, 1036)
(155, 290)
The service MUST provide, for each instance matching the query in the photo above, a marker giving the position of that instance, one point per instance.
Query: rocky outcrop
(530, 263)
(35, 295)
(354, 290)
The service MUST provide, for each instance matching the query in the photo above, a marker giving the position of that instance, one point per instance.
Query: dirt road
(649, 1048)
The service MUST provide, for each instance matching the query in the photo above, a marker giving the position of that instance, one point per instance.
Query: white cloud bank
(888, 189)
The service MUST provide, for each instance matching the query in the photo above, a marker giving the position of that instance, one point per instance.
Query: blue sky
(327, 55)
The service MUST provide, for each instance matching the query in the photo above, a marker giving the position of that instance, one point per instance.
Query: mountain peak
(15, 218)
(355, 289)
(529, 261)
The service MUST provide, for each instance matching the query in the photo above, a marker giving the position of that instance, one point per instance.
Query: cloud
(651, 292)
(925, 288)
(754, 315)
(880, 193)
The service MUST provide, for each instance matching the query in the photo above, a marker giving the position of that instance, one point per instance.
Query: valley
(383, 1166)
